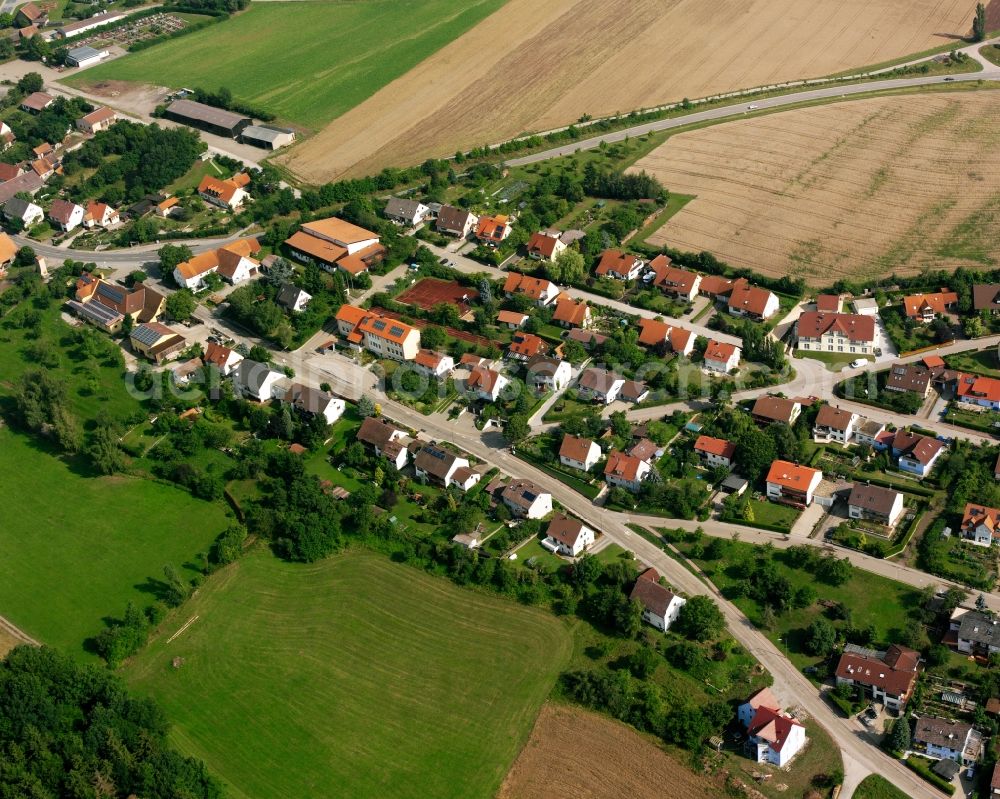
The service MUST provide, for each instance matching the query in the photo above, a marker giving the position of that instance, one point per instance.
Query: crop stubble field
(354, 677)
(538, 65)
(851, 190)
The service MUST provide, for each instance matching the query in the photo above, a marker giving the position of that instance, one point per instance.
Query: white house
(313, 402)
(834, 424)
(548, 374)
(773, 736)
(406, 212)
(433, 364)
(438, 464)
(293, 298)
(752, 301)
(566, 536)
(579, 453)
(485, 384)
(660, 605)
(882, 505)
(600, 385)
(541, 291)
(715, 451)
(256, 380)
(29, 213)
(625, 471)
(387, 440)
(722, 357)
(979, 524)
(816, 331)
(545, 246)
(223, 358)
(527, 500)
(792, 483)
(887, 677)
(231, 262)
(946, 739)
(619, 265)
(66, 215)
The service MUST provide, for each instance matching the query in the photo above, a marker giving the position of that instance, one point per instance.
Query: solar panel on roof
(145, 335)
(378, 324)
(395, 331)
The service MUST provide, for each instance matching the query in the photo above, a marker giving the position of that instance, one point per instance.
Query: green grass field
(77, 549)
(307, 62)
(876, 787)
(353, 677)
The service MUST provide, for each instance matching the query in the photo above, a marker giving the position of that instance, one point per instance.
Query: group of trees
(621, 185)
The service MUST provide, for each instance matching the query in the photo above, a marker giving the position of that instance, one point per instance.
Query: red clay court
(431, 291)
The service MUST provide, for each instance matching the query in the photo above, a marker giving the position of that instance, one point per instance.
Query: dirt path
(11, 636)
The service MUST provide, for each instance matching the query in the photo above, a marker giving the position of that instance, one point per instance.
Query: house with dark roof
(438, 465)
(293, 298)
(311, 401)
(600, 385)
(909, 377)
(406, 212)
(385, 439)
(155, 341)
(660, 605)
(769, 409)
(579, 453)
(26, 211)
(887, 677)
(547, 373)
(975, 632)
(568, 536)
(527, 500)
(875, 503)
(207, 117)
(454, 221)
(255, 380)
(986, 297)
(947, 739)
(633, 391)
(66, 215)
(916, 453)
(834, 424)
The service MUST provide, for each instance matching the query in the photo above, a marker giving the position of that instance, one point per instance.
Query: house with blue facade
(916, 454)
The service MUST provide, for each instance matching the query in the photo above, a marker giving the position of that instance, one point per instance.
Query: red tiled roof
(511, 318)
(570, 312)
(575, 448)
(772, 726)
(917, 304)
(715, 446)
(533, 287)
(526, 344)
(791, 475)
(897, 679)
(719, 351)
(814, 324)
(542, 244)
(623, 466)
(828, 303)
(748, 298)
(621, 263)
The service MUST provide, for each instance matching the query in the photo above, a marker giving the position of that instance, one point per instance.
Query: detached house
(660, 605)
(569, 313)
(792, 484)
(292, 298)
(664, 337)
(979, 524)
(454, 221)
(526, 500)
(916, 454)
(752, 301)
(773, 736)
(975, 632)
(619, 265)
(25, 210)
(434, 364)
(223, 358)
(600, 385)
(983, 392)
(233, 262)
(255, 380)
(97, 120)
(385, 439)
(524, 346)
(875, 503)
(834, 424)
(816, 331)
(492, 230)
(715, 451)
(66, 215)
(770, 409)
(100, 215)
(542, 292)
(512, 320)
(579, 453)
(545, 246)
(924, 307)
(444, 467)
(887, 677)
(566, 536)
(313, 402)
(625, 471)
(156, 341)
(675, 282)
(722, 357)
(36, 102)
(548, 374)
(985, 296)
(485, 383)
(406, 212)
(229, 194)
(947, 739)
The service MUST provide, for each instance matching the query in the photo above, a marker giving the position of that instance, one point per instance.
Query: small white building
(792, 484)
(660, 605)
(406, 212)
(773, 736)
(600, 385)
(625, 471)
(722, 357)
(875, 503)
(255, 380)
(433, 364)
(527, 500)
(548, 374)
(834, 424)
(715, 451)
(579, 453)
(566, 536)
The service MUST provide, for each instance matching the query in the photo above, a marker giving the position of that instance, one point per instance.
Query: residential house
(545, 246)
(715, 451)
(335, 244)
(100, 215)
(524, 346)
(485, 383)
(909, 377)
(660, 605)
(665, 338)
(947, 739)
(633, 391)
(222, 358)
(868, 432)
(995, 781)
(569, 313)
(619, 265)
(255, 380)
(875, 503)
(566, 536)
(380, 335)
(36, 102)
(30, 14)
(140, 303)
(8, 251)
(722, 357)
(625, 471)
(314, 402)
(98, 315)
(773, 736)
(828, 303)
(434, 364)
(817, 331)
(385, 439)
(792, 484)
(292, 298)
(917, 454)
(25, 210)
(974, 632)
(229, 194)
(924, 307)
(156, 341)
(9, 172)
(834, 424)
(752, 301)
(588, 339)
(770, 409)
(233, 262)
(7, 137)
(406, 212)
(579, 453)
(887, 677)
(679, 283)
(66, 215)
(527, 500)
(97, 120)
(546, 373)
(166, 207)
(979, 524)
(600, 385)
(985, 296)
(513, 320)
(454, 221)
(542, 292)
(492, 230)
(983, 392)
(438, 465)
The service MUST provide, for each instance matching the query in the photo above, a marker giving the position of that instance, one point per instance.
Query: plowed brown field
(876, 186)
(576, 754)
(536, 65)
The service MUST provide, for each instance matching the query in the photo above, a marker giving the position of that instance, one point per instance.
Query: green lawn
(77, 549)
(771, 513)
(876, 787)
(306, 62)
(351, 677)
(834, 361)
(983, 362)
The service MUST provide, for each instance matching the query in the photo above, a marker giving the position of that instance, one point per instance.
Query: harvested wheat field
(537, 65)
(854, 189)
(576, 754)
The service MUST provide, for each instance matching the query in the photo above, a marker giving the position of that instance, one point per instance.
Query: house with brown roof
(311, 401)
(625, 471)
(541, 291)
(548, 373)
(545, 245)
(229, 194)
(665, 337)
(722, 357)
(66, 215)
(492, 230)
(660, 605)
(36, 102)
(986, 297)
(222, 358)
(792, 484)
(485, 384)
(834, 424)
(752, 301)
(579, 453)
(619, 265)
(454, 221)
(526, 500)
(828, 303)
(600, 385)
(715, 451)
(524, 346)
(512, 320)
(875, 503)
(674, 281)
(887, 677)
(924, 307)
(406, 212)
(9, 172)
(232, 262)
(588, 339)
(141, 303)
(947, 739)
(30, 14)
(979, 524)
(567, 536)
(385, 439)
(916, 454)
(97, 120)
(336, 244)
(569, 313)
(768, 409)
(155, 341)
(434, 364)
(909, 377)
(633, 391)
(100, 215)
(817, 331)
(439, 465)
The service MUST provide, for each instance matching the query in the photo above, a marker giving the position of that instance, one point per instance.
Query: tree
(569, 266)
(171, 255)
(181, 305)
(432, 337)
(700, 619)
(365, 406)
(833, 571)
(30, 82)
(748, 514)
(899, 736)
(105, 452)
(280, 272)
(979, 23)
(177, 588)
(517, 428)
(820, 637)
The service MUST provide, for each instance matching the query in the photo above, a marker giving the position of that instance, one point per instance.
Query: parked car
(857, 363)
